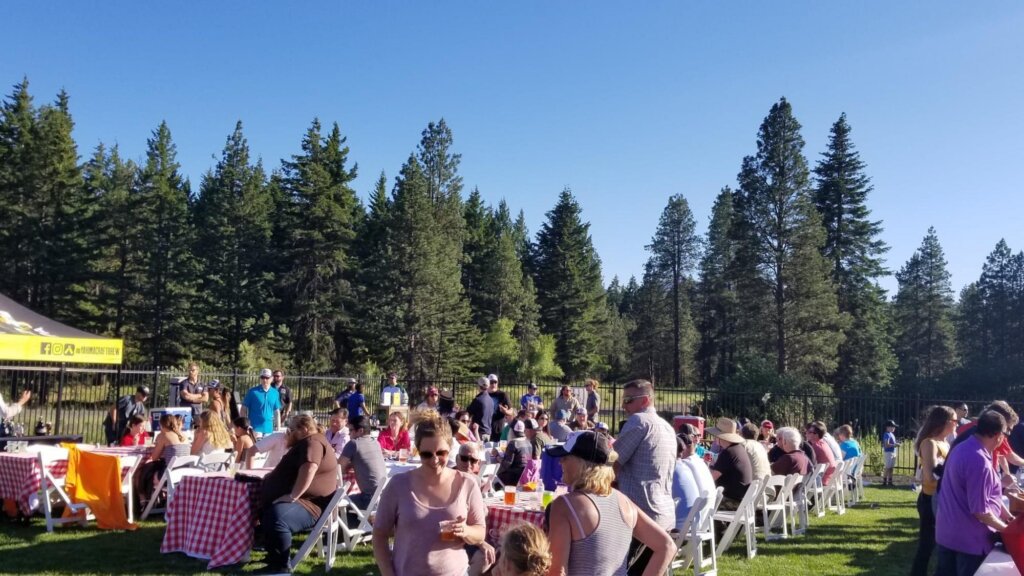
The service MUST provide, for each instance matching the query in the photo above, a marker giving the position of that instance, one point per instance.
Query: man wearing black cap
(116, 422)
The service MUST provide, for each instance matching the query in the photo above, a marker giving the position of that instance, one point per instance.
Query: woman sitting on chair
(211, 436)
(136, 434)
(169, 444)
(243, 439)
(295, 493)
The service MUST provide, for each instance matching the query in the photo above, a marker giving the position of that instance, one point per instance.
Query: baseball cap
(266, 373)
(519, 428)
(604, 426)
(144, 390)
(431, 390)
(530, 424)
(562, 415)
(531, 386)
(586, 445)
(767, 424)
(213, 384)
(483, 382)
(492, 377)
(581, 411)
(891, 423)
(352, 381)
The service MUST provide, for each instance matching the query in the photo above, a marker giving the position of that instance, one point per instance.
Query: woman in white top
(211, 435)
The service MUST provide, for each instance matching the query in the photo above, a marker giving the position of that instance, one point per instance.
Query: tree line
(286, 265)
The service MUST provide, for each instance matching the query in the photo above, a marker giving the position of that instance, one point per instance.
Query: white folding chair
(325, 529)
(215, 461)
(775, 509)
(813, 488)
(698, 529)
(743, 518)
(128, 466)
(177, 468)
(835, 492)
(51, 488)
(858, 476)
(363, 532)
(487, 476)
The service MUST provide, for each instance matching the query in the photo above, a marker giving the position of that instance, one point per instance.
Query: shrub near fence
(75, 399)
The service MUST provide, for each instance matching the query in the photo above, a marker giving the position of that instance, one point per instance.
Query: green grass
(877, 537)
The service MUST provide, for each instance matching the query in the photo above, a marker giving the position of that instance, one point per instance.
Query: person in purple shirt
(970, 509)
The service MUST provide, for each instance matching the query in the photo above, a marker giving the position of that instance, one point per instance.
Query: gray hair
(471, 449)
(789, 435)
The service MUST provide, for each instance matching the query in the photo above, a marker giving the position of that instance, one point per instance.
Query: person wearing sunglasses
(262, 405)
(470, 458)
(416, 506)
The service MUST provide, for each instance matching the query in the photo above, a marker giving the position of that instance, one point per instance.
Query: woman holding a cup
(432, 512)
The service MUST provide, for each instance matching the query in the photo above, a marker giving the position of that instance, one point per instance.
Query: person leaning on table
(295, 493)
(970, 508)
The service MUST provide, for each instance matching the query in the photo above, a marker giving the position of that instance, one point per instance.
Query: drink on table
(403, 456)
(547, 498)
(510, 495)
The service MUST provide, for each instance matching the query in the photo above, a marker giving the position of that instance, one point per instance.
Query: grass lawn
(876, 537)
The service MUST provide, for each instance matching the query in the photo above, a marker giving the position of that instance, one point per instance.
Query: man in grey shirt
(558, 429)
(647, 452)
(363, 453)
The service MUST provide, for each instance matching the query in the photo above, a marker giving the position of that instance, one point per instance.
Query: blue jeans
(953, 563)
(278, 523)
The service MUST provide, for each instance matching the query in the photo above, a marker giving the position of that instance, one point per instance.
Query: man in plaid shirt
(647, 451)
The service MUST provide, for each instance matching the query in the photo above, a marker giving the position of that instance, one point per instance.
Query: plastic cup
(403, 455)
(510, 495)
(547, 498)
(447, 529)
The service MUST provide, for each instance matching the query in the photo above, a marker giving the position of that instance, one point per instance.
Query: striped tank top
(604, 551)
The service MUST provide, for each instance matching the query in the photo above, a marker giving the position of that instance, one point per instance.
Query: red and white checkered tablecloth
(501, 517)
(20, 479)
(213, 517)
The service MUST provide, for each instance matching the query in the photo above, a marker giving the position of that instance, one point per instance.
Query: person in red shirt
(815, 433)
(395, 437)
(136, 434)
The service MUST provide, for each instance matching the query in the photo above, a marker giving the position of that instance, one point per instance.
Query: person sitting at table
(463, 417)
(136, 434)
(363, 455)
(525, 551)
(243, 438)
(395, 437)
(558, 429)
(581, 422)
(589, 526)
(170, 443)
(211, 435)
(295, 493)
(415, 503)
(274, 445)
(766, 434)
(543, 434)
(337, 431)
(517, 452)
(470, 458)
(692, 478)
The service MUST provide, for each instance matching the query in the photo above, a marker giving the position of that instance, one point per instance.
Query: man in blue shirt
(531, 399)
(262, 405)
(357, 402)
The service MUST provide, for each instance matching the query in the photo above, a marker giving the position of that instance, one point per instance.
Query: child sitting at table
(525, 551)
(136, 434)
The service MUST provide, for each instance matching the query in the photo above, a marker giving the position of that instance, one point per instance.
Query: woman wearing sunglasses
(418, 506)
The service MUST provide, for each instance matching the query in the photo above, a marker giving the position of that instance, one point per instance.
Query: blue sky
(626, 104)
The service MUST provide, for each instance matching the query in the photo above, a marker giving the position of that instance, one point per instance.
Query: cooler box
(550, 471)
(695, 421)
(156, 413)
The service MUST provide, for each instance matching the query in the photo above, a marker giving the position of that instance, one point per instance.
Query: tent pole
(60, 396)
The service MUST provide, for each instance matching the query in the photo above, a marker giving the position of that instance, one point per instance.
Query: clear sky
(625, 103)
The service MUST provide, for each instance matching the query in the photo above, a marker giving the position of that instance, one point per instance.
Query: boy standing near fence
(889, 445)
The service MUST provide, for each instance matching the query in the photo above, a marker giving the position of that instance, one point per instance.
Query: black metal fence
(75, 400)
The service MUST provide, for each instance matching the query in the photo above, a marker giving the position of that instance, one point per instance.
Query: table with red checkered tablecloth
(213, 516)
(501, 517)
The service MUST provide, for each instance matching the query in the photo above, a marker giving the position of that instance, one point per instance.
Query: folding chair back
(835, 498)
(741, 519)
(487, 476)
(177, 468)
(128, 466)
(774, 509)
(324, 530)
(51, 488)
(813, 488)
(215, 461)
(351, 537)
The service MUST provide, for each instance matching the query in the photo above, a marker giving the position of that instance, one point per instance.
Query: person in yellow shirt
(932, 448)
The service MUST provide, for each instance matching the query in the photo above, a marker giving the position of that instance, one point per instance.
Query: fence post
(806, 420)
(298, 397)
(60, 397)
(615, 409)
(917, 412)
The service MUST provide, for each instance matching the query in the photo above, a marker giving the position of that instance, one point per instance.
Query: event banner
(60, 349)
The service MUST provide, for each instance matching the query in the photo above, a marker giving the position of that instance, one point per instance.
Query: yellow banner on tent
(57, 349)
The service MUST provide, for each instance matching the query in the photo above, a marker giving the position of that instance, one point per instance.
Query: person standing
(593, 400)
(390, 389)
(431, 402)
(932, 448)
(502, 407)
(341, 401)
(284, 392)
(531, 400)
(481, 410)
(647, 453)
(193, 392)
(889, 445)
(116, 422)
(565, 401)
(970, 509)
(357, 402)
(262, 405)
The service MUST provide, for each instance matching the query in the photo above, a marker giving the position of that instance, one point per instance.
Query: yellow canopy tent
(31, 337)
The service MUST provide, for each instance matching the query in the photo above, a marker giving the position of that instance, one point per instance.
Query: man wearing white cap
(502, 407)
(481, 409)
(262, 405)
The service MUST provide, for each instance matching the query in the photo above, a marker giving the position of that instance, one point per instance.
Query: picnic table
(501, 517)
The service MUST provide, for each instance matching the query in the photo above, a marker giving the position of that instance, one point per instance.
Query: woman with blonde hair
(588, 526)
(169, 444)
(432, 512)
(525, 551)
(932, 448)
(593, 399)
(211, 435)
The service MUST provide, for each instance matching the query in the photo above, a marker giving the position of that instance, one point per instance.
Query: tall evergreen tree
(716, 356)
(232, 217)
(18, 118)
(923, 313)
(318, 282)
(854, 248)
(782, 231)
(569, 291)
(989, 319)
(674, 252)
(161, 318)
(378, 300)
(478, 249)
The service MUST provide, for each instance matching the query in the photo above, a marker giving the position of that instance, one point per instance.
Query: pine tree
(161, 316)
(569, 291)
(18, 118)
(781, 231)
(378, 301)
(318, 282)
(716, 356)
(674, 252)
(232, 217)
(651, 342)
(478, 249)
(923, 311)
(854, 249)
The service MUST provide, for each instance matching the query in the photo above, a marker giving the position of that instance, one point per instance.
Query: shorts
(890, 459)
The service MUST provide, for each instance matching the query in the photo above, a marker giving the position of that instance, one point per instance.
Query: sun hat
(584, 444)
(725, 429)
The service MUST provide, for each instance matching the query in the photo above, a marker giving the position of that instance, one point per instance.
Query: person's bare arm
(560, 536)
(654, 537)
(382, 551)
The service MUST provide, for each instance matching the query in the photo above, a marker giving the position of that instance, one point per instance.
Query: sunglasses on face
(441, 454)
(628, 399)
(468, 459)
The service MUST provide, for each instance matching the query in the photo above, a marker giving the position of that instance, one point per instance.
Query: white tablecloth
(998, 563)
